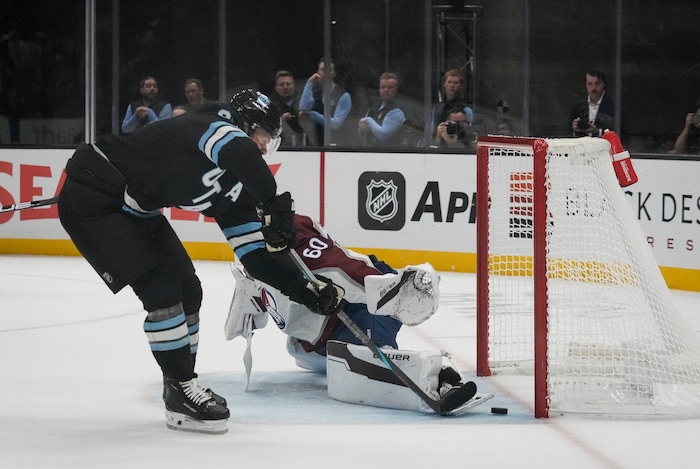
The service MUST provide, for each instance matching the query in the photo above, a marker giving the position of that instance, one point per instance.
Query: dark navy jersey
(198, 161)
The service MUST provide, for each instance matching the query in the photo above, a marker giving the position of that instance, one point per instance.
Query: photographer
(595, 114)
(455, 132)
(452, 97)
(689, 139)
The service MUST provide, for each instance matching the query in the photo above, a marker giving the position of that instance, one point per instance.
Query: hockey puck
(499, 410)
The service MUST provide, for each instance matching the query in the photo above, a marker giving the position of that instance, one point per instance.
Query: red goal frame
(539, 149)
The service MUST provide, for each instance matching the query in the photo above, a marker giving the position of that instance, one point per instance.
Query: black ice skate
(454, 391)
(448, 378)
(219, 399)
(190, 407)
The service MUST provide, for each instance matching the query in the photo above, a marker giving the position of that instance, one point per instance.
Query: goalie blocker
(357, 376)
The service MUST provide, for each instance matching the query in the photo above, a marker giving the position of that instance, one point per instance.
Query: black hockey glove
(324, 298)
(277, 215)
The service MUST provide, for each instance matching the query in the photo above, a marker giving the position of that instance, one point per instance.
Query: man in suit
(596, 113)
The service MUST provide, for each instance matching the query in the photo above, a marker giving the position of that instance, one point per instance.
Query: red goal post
(569, 290)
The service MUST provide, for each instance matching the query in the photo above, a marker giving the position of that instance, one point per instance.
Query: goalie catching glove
(323, 298)
(277, 215)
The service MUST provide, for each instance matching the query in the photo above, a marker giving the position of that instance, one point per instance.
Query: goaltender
(380, 300)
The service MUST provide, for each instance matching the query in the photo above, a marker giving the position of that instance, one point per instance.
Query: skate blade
(184, 423)
(471, 403)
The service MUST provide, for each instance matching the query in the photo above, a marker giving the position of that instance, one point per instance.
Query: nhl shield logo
(381, 201)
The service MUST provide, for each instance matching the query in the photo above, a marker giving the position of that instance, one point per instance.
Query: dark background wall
(538, 66)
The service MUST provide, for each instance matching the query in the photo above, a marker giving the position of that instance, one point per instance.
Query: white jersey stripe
(216, 137)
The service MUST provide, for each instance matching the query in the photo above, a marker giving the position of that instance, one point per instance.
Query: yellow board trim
(49, 247)
(681, 279)
(60, 247)
(442, 261)
(616, 273)
(676, 278)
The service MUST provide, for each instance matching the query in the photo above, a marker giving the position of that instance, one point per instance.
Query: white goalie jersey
(410, 295)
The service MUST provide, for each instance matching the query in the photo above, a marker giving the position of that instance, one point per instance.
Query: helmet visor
(273, 145)
(264, 140)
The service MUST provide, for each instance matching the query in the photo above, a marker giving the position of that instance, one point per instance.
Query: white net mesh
(616, 344)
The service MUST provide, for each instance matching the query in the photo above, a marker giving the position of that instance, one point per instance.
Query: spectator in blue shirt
(383, 122)
(149, 108)
(311, 104)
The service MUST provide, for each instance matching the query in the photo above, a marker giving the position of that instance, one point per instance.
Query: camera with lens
(451, 127)
(582, 123)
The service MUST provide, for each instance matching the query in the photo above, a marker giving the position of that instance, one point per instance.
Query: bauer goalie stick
(32, 204)
(452, 400)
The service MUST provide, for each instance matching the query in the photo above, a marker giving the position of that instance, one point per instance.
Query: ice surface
(79, 388)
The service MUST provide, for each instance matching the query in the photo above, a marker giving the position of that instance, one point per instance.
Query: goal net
(569, 290)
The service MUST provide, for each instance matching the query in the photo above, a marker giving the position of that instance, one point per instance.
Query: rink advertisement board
(418, 206)
(666, 201)
(409, 208)
(27, 175)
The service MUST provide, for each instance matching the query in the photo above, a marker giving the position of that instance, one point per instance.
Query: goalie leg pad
(356, 376)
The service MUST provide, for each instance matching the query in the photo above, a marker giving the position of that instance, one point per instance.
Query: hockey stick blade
(453, 399)
(32, 204)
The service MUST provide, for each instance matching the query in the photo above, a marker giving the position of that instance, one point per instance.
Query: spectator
(503, 127)
(149, 108)
(454, 131)
(688, 140)
(312, 102)
(194, 92)
(383, 122)
(287, 103)
(452, 84)
(596, 113)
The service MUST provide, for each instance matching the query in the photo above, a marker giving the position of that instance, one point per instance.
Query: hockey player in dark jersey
(209, 160)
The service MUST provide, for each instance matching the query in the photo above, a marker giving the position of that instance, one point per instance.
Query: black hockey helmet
(255, 109)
